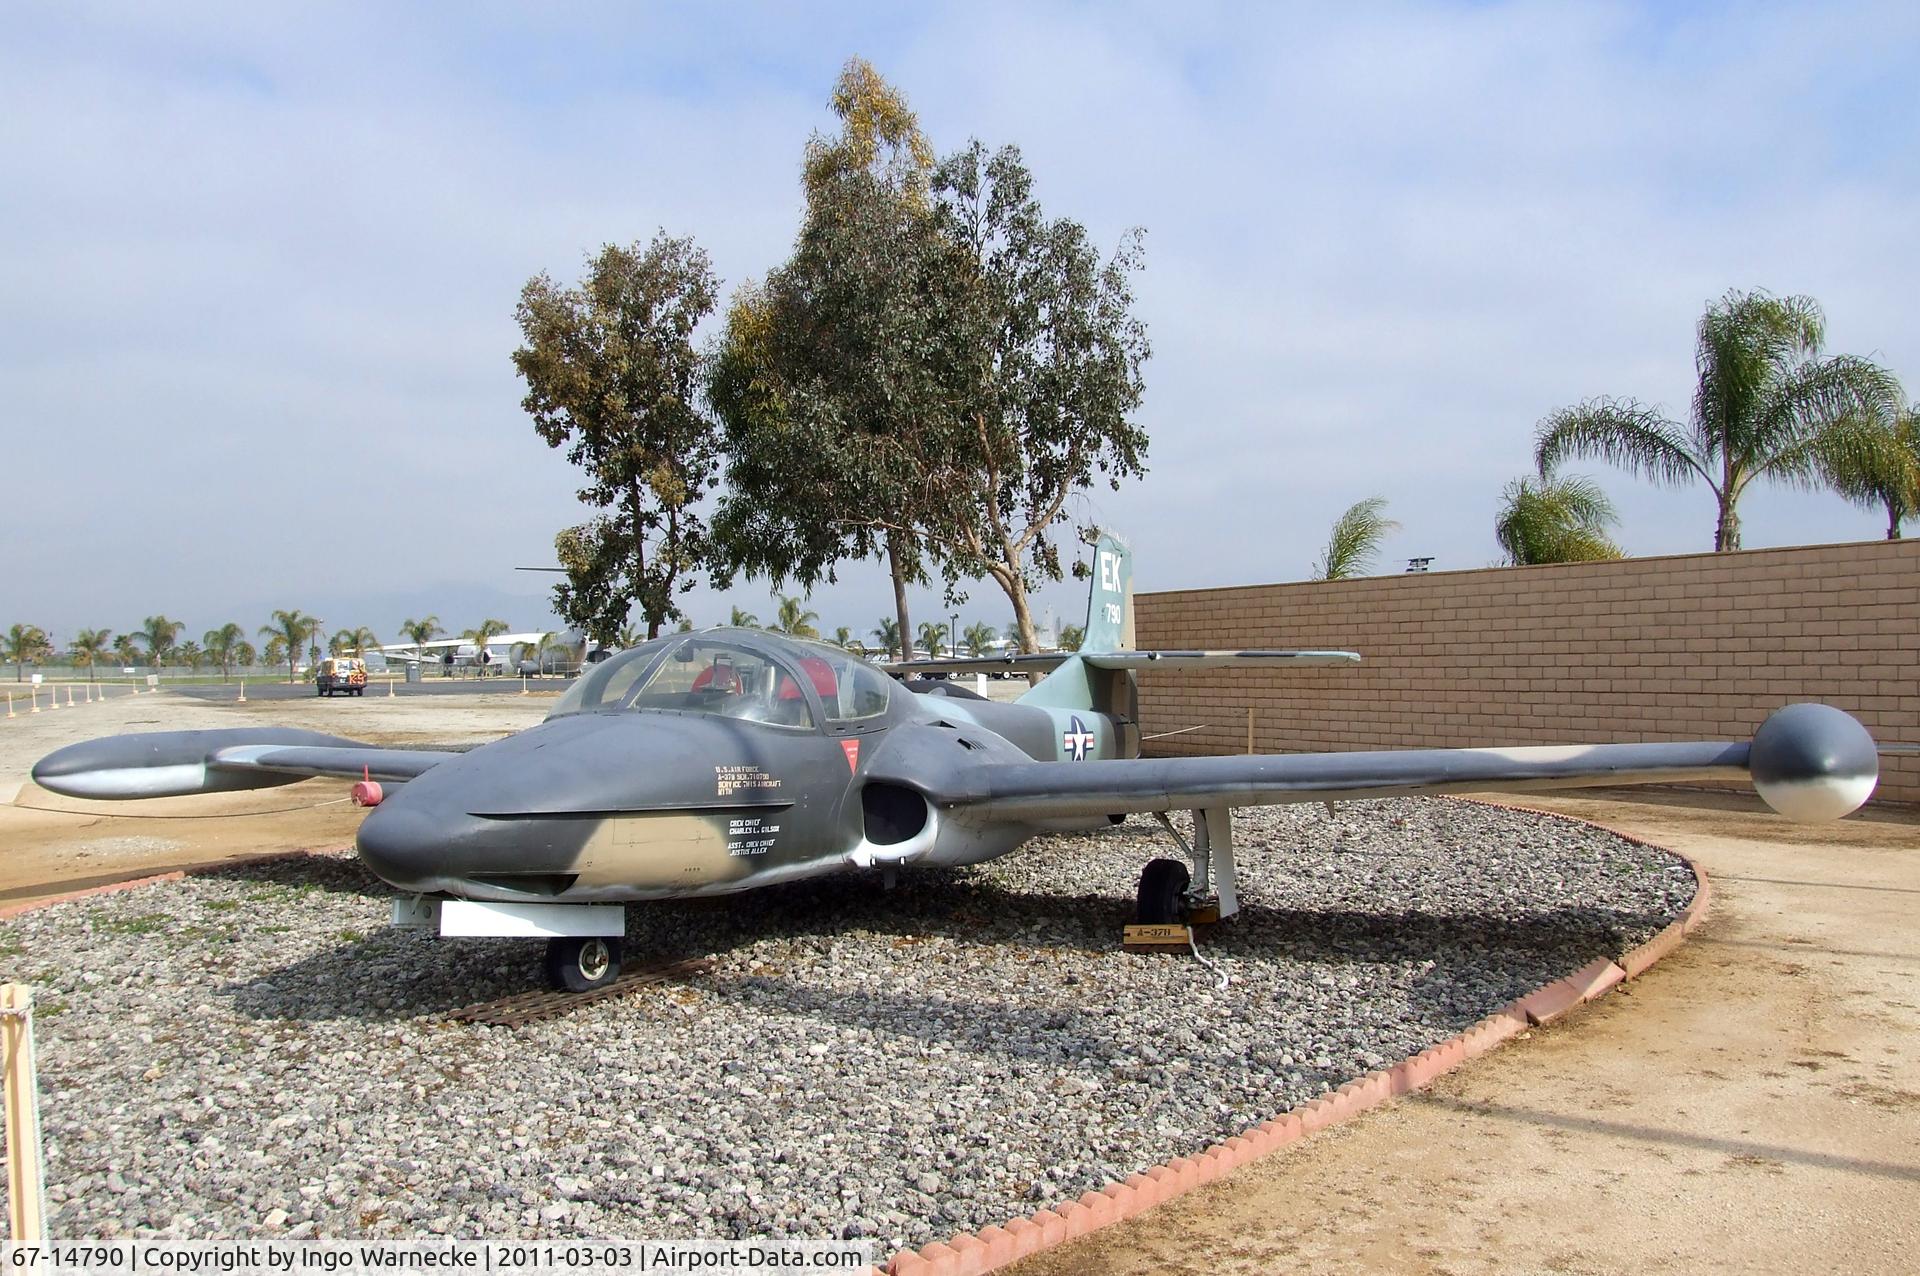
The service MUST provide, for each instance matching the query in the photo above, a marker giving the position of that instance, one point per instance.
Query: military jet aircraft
(720, 761)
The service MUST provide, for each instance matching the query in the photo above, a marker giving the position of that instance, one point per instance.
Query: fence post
(26, 1170)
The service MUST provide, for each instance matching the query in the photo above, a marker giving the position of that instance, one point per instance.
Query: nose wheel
(580, 964)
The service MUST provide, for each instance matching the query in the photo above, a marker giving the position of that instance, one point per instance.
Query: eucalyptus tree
(222, 645)
(795, 619)
(159, 634)
(1762, 402)
(1048, 358)
(887, 633)
(612, 376)
(828, 375)
(289, 632)
(88, 646)
(1545, 518)
(24, 643)
(1875, 461)
(1355, 540)
(978, 637)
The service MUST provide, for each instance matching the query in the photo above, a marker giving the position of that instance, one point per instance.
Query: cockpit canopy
(732, 673)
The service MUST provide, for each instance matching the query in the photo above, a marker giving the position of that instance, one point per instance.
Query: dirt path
(1751, 1105)
(50, 844)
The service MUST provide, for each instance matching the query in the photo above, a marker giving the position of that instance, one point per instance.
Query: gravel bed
(254, 1052)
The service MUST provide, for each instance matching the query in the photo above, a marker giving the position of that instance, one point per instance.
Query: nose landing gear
(582, 963)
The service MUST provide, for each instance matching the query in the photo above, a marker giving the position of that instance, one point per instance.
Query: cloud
(261, 269)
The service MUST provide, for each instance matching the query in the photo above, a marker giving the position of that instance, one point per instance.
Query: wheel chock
(1158, 937)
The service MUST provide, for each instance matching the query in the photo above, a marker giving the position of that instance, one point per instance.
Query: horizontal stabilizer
(1168, 660)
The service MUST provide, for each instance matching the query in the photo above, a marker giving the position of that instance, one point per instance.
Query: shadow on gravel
(300, 873)
(391, 975)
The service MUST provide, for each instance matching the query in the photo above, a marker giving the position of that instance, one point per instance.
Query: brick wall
(1695, 646)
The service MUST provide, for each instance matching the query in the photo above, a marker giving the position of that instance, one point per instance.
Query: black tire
(582, 964)
(1162, 899)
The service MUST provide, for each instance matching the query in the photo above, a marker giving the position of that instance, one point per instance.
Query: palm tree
(978, 637)
(221, 643)
(1355, 540)
(1763, 401)
(932, 635)
(538, 649)
(795, 619)
(359, 639)
(888, 633)
(241, 655)
(24, 643)
(421, 632)
(276, 651)
(88, 646)
(744, 620)
(125, 651)
(843, 637)
(1544, 519)
(158, 633)
(478, 636)
(1071, 636)
(292, 629)
(629, 635)
(1876, 461)
(189, 654)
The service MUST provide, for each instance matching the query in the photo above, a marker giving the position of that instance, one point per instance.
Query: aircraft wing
(1810, 762)
(174, 763)
(1044, 661)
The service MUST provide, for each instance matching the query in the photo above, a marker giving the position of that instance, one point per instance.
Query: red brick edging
(970, 1253)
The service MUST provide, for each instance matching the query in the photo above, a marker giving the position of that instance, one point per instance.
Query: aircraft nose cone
(405, 848)
(1813, 762)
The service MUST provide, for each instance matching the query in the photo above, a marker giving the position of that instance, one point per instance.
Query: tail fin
(1110, 598)
(1077, 685)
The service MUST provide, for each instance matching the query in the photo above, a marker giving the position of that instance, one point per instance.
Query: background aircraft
(716, 762)
(460, 653)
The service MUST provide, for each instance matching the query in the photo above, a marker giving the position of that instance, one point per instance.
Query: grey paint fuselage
(642, 804)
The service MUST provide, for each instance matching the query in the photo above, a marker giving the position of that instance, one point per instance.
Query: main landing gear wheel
(582, 964)
(1162, 900)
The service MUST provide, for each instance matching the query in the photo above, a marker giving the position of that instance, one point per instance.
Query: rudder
(1110, 597)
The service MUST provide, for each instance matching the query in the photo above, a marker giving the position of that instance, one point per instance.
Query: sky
(258, 265)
